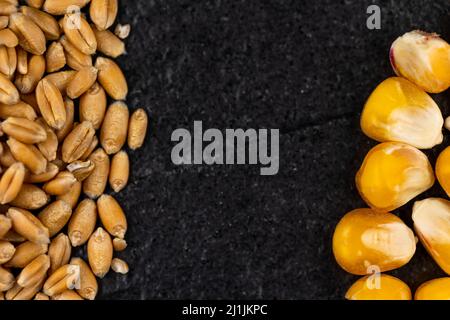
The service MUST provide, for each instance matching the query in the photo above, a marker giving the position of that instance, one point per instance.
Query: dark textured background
(305, 67)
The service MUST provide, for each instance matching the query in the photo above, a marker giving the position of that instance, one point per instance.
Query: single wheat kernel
(8, 61)
(81, 169)
(44, 21)
(82, 223)
(4, 21)
(82, 82)
(18, 110)
(34, 271)
(93, 105)
(100, 252)
(55, 216)
(69, 124)
(77, 142)
(122, 31)
(108, 43)
(65, 278)
(35, 3)
(30, 197)
(6, 251)
(8, 38)
(29, 155)
(61, 184)
(24, 130)
(112, 78)
(103, 13)
(75, 59)
(19, 293)
(11, 182)
(120, 171)
(60, 7)
(95, 184)
(59, 252)
(22, 61)
(82, 37)
(27, 83)
(49, 146)
(137, 130)
(6, 157)
(61, 79)
(28, 226)
(31, 37)
(7, 7)
(51, 104)
(8, 92)
(72, 197)
(88, 283)
(55, 57)
(119, 244)
(119, 266)
(68, 295)
(5, 225)
(6, 280)
(113, 133)
(112, 216)
(25, 253)
(41, 296)
(89, 151)
(50, 172)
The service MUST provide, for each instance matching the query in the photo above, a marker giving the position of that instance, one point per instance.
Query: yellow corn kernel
(392, 174)
(366, 240)
(398, 110)
(379, 287)
(432, 224)
(423, 58)
(443, 170)
(436, 289)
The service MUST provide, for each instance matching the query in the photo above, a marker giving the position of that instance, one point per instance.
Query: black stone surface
(305, 67)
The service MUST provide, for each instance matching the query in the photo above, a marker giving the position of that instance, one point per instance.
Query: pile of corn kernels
(403, 117)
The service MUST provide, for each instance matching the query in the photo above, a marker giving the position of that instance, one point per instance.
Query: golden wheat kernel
(82, 223)
(50, 172)
(19, 110)
(103, 13)
(7, 7)
(68, 295)
(61, 79)
(81, 36)
(60, 7)
(19, 293)
(22, 61)
(35, 3)
(122, 31)
(88, 283)
(81, 169)
(113, 133)
(11, 182)
(5, 225)
(34, 271)
(93, 105)
(77, 142)
(72, 197)
(6, 251)
(30, 197)
(95, 184)
(59, 252)
(44, 21)
(31, 37)
(112, 216)
(8, 38)
(55, 216)
(119, 266)
(51, 104)
(6, 157)
(112, 78)
(65, 278)
(8, 92)
(100, 252)
(61, 184)
(29, 155)
(49, 146)
(6, 280)
(24, 130)
(8, 61)
(28, 226)
(81, 82)
(55, 57)
(75, 59)
(120, 171)
(108, 43)
(4, 21)
(137, 129)
(41, 296)
(27, 83)
(25, 253)
(69, 124)
(119, 244)
(91, 149)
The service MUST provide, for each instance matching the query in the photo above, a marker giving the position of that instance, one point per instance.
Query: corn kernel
(432, 223)
(398, 110)
(365, 239)
(379, 287)
(443, 170)
(423, 58)
(436, 289)
(392, 174)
